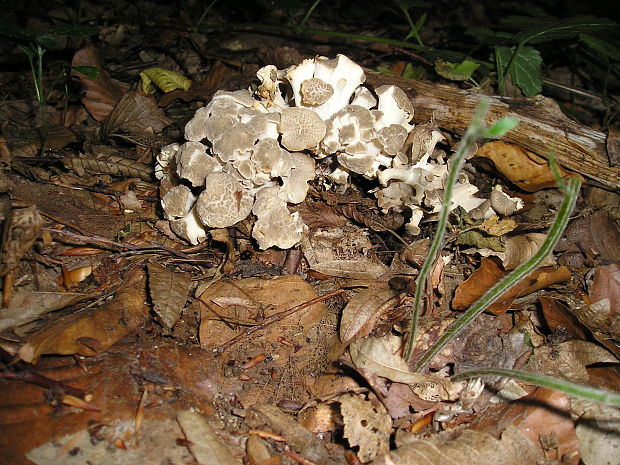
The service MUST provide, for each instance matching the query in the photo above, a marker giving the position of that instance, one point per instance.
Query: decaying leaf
(90, 331)
(102, 93)
(135, 114)
(525, 169)
(568, 360)
(362, 312)
(465, 446)
(380, 357)
(169, 292)
(165, 79)
(602, 312)
(226, 304)
(342, 253)
(596, 236)
(21, 230)
(519, 249)
(202, 441)
(366, 425)
(598, 430)
(490, 273)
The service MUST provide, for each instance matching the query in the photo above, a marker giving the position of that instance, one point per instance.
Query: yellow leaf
(165, 79)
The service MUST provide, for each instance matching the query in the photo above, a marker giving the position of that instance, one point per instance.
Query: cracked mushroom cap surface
(223, 202)
(177, 202)
(315, 92)
(295, 186)
(301, 129)
(194, 163)
(276, 226)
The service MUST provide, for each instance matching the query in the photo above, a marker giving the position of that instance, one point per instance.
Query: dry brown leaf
(90, 331)
(380, 356)
(203, 443)
(568, 360)
(519, 249)
(596, 236)
(467, 447)
(557, 315)
(362, 312)
(169, 292)
(21, 229)
(102, 94)
(603, 312)
(490, 273)
(247, 301)
(135, 114)
(367, 425)
(525, 169)
(598, 430)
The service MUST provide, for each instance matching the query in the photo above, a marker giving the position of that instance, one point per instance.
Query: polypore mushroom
(189, 227)
(395, 107)
(295, 185)
(223, 202)
(270, 158)
(165, 160)
(194, 164)
(275, 225)
(315, 92)
(177, 202)
(301, 129)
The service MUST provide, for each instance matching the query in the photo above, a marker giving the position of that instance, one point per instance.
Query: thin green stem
(457, 160)
(309, 13)
(577, 390)
(571, 191)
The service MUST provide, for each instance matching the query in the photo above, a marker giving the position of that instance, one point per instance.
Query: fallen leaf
(380, 357)
(596, 236)
(21, 230)
(169, 292)
(367, 425)
(519, 249)
(362, 313)
(598, 430)
(102, 93)
(602, 312)
(527, 170)
(135, 114)
(88, 332)
(489, 273)
(203, 443)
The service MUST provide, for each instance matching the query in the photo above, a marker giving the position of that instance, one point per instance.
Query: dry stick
(276, 317)
(32, 377)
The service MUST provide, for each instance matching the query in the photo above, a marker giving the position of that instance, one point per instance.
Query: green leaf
(563, 28)
(480, 241)
(456, 71)
(91, 72)
(524, 67)
(165, 79)
(601, 45)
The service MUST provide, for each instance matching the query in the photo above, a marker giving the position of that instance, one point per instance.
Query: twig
(32, 377)
(276, 317)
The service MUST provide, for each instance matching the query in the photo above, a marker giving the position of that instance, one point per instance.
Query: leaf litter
(227, 352)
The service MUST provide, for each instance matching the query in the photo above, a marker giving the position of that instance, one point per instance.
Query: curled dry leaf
(603, 312)
(490, 273)
(367, 425)
(101, 94)
(525, 169)
(596, 236)
(362, 312)
(21, 229)
(168, 292)
(380, 356)
(519, 249)
(598, 430)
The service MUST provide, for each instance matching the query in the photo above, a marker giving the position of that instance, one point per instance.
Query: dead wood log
(543, 127)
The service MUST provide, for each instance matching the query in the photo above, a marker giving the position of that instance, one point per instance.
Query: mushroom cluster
(254, 151)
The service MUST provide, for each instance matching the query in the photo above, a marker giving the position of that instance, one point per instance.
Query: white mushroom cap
(344, 75)
(395, 107)
(364, 98)
(392, 138)
(276, 226)
(295, 186)
(301, 129)
(177, 202)
(295, 75)
(502, 203)
(194, 164)
(189, 227)
(350, 130)
(223, 202)
(269, 90)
